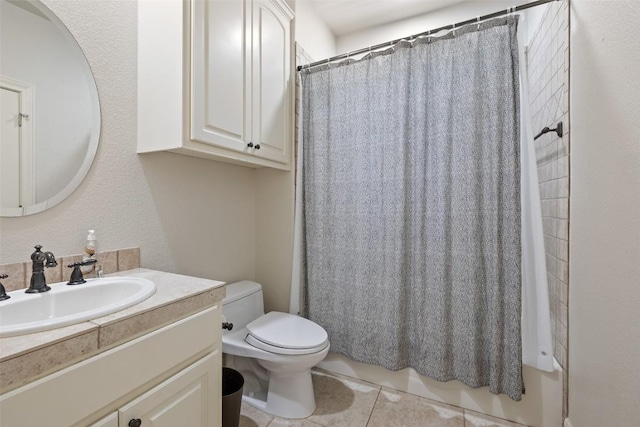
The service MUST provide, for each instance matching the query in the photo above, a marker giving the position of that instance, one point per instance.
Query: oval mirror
(50, 113)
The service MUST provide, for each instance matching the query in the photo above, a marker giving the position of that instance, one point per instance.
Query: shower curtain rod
(427, 33)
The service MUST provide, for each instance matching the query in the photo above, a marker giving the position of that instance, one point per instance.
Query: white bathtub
(541, 406)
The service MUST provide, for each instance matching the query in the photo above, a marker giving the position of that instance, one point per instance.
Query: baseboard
(567, 423)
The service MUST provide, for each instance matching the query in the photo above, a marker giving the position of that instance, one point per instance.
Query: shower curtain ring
(453, 29)
(478, 24)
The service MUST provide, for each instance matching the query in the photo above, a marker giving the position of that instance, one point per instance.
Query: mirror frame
(96, 126)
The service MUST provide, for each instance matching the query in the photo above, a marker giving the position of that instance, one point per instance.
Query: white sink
(65, 305)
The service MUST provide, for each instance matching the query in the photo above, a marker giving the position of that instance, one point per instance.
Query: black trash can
(232, 383)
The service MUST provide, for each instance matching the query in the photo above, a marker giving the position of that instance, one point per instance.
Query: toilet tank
(243, 303)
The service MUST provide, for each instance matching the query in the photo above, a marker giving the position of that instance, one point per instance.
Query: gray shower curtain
(411, 204)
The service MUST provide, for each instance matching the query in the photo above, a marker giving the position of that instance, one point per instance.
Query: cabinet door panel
(220, 90)
(108, 421)
(189, 398)
(272, 78)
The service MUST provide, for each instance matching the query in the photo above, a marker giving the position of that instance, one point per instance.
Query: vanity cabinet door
(272, 80)
(191, 398)
(110, 420)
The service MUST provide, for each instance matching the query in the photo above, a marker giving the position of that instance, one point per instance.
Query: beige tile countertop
(28, 357)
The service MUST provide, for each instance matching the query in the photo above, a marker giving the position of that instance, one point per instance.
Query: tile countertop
(28, 357)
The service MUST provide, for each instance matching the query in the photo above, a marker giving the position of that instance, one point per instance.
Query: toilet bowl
(275, 352)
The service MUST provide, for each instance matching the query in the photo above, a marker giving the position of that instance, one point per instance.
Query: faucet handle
(76, 275)
(3, 292)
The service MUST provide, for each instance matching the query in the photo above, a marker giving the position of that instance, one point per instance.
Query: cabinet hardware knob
(136, 422)
(257, 146)
(250, 144)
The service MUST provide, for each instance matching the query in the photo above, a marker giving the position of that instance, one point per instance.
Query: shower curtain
(410, 232)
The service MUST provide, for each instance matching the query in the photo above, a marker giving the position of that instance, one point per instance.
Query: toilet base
(290, 395)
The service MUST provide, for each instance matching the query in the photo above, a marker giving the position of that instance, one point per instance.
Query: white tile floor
(347, 402)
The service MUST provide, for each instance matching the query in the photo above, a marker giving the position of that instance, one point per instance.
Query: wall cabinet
(215, 80)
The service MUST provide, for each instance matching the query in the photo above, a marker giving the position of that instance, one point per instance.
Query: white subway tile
(563, 208)
(562, 248)
(562, 229)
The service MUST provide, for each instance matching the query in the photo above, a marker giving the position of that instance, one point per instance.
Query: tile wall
(548, 69)
(111, 261)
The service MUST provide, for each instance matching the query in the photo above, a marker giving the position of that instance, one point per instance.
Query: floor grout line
(375, 402)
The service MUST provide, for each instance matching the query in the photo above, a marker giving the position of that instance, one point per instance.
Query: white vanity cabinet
(186, 399)
(215, 80)
(168, 377)
(110, 420)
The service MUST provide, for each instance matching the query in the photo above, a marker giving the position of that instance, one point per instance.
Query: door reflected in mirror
(50, 114)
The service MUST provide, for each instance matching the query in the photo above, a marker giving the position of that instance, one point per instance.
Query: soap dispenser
(90, 249)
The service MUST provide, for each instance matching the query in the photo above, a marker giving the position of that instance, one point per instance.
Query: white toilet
(274, 352)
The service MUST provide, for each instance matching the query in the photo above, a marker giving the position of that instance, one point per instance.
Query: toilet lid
(287, 331)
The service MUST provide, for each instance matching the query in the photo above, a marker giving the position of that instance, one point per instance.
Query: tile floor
(347, 402)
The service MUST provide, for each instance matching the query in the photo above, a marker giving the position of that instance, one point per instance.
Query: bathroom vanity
(155, 363)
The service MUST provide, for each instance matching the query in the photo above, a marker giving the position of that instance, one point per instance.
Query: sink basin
(66, 305)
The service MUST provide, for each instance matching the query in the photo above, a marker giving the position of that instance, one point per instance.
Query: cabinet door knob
(257, 146)
(136, 422)
(250, 144)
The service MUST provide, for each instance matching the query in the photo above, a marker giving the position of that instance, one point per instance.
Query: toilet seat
(284, 333)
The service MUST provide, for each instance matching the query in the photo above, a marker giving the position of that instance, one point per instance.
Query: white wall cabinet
(215, 80)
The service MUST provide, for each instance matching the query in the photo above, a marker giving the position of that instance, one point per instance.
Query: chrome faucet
(40, 261)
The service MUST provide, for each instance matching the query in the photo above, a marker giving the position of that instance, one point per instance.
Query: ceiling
(347, 16)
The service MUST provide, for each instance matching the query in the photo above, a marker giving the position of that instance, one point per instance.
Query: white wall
(312, 33)
(418, 24)
(604, 310)
(274, 236)
(188, 215)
